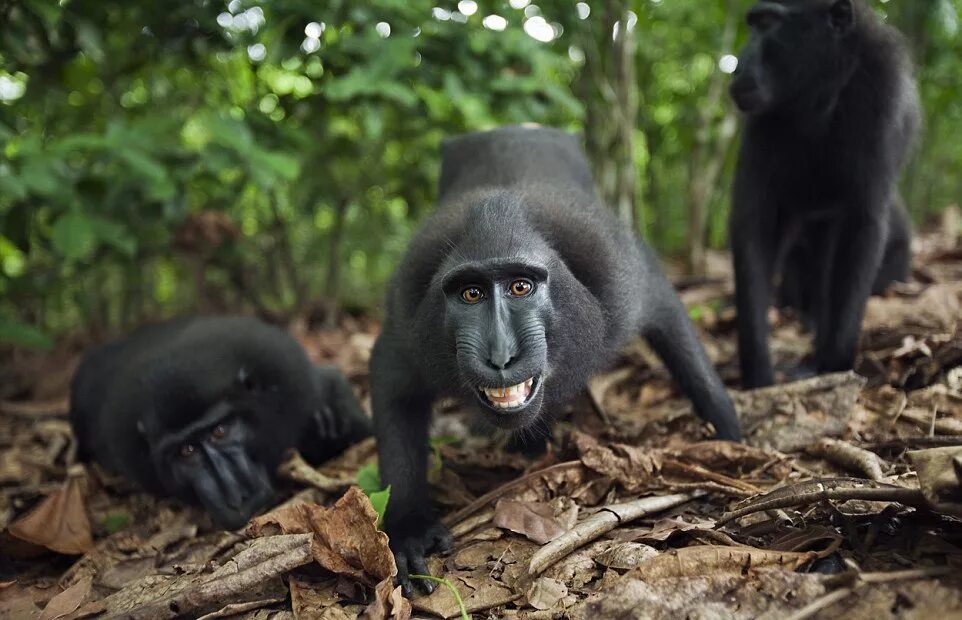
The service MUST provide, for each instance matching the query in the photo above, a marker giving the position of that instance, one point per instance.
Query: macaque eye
(520, 288)
(218, 432)
(472, 295)
(188, 450)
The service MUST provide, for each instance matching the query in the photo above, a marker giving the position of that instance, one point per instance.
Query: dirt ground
(844, 502)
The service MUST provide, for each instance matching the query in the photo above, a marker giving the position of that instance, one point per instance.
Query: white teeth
(508, 397)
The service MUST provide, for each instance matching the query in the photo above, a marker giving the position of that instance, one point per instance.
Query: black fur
(516, 205)
(832, 113)
(237, 391)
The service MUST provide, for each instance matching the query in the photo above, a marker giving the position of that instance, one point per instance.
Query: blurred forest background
(161, 157)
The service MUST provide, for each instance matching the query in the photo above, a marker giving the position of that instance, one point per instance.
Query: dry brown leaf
(534, 520)
(940, 472)
(635, 468)
(346, 538)
(388, 603)
(663, 529)
(311, 601)
(244, 577)
(727, 456)
(19, 609)
(729, 596)
(60, 521)
(695, 561)
(478, 589)
(936, 310)
(67, 601)
(791, 416)
(626, 555)
(545, 593)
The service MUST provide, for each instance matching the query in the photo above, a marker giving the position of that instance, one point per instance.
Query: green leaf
(116, 521)
(115, 235)
(369, 479)
(74, 235)
(379, 501)
(15, 332)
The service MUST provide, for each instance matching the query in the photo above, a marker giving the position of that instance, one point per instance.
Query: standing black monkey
(517, 288)
(204, 408)
(832, 112)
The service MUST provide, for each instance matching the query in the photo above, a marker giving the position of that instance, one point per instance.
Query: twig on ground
(826, 489)
(599, 524)
(671, 466)
(862, 579)
(848, 456)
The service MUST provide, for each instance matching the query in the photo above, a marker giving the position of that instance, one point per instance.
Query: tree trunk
(607, 87)
(333, 281)
(708, 156)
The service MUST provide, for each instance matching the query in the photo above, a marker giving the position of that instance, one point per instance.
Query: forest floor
(844, 502)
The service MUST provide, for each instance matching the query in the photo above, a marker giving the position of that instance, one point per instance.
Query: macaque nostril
(500, 361)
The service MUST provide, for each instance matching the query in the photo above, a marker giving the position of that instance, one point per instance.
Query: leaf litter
(845, 499)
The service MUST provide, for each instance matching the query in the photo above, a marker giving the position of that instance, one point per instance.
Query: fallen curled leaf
(346, 538)
(940, 477)
(546, 592)
(67, 601)
(635, 468)
(709, 595)
(727, 456)
(388, 603)
(534, 520)
(937, 309)
(663, 529)
(791, 416)
(59, 522)
(626, 555)
(477, 588)
(694, 561)
(239, 579)
(310, 601)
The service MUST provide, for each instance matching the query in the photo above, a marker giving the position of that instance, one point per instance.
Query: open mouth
(511, 397)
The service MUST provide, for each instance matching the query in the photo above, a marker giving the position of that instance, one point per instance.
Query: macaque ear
(841, 16)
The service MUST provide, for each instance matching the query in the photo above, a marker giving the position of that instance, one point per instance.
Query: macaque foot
(413, 538)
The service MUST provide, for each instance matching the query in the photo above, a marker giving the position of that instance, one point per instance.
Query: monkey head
(796, 53)
(217, 425)
(511, 311)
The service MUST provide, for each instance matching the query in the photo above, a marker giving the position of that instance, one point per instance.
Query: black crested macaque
(203, 409)
(832, 112)
(513, 292)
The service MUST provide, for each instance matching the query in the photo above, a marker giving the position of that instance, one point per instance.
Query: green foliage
(23, 335)
(121, 123)
(116, 521)
(369, 481)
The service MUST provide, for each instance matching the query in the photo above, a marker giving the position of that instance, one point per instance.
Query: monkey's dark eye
(218, 432)
(188, 450)
(472, 295)
(520, 288)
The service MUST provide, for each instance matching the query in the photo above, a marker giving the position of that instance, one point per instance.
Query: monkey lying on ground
(514, 291)
(204, 408)
(832, 112)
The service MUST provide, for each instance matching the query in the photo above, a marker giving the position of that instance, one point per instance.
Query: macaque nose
(502, 354)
